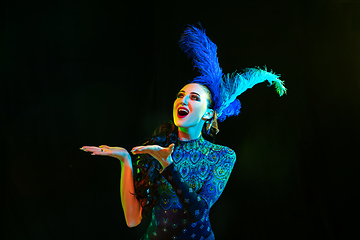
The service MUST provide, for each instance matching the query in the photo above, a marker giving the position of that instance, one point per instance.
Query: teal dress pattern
(189, 188)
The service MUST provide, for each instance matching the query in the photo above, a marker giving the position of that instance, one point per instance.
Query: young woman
(178, 175)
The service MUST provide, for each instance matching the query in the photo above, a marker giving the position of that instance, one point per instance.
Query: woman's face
(191, 106)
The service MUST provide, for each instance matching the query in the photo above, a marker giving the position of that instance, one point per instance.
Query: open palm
(163, 155)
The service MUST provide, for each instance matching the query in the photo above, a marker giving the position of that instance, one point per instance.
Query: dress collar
(194, 143)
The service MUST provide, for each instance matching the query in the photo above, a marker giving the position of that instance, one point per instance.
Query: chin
(181, 123)
(185, 123)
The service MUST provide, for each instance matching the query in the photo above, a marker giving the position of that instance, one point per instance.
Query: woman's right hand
(103, 150)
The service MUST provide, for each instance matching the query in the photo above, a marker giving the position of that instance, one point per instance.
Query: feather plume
(203, 51)
(224, 88)
(231, 86)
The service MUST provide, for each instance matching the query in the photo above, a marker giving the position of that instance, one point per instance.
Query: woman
(178, 175)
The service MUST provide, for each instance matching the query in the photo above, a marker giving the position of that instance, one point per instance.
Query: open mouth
(182, 112)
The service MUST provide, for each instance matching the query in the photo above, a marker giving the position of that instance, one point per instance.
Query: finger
(156, 154)
(137, 149)
(134, 149)
(104, 146)
(151, 147)
(171, 147)
(102, 151)
(140, 147)
(146, 149)
(141, 151)
(84, 148)
(99, 154)
(88, 147)
(91, 149)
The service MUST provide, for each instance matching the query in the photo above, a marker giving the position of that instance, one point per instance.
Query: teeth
(183, 110)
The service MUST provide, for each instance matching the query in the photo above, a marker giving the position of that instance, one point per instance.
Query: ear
(208, 114)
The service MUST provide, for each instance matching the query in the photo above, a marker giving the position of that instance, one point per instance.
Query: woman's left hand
(163, 155)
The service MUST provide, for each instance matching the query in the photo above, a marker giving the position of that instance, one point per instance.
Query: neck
(191, 133)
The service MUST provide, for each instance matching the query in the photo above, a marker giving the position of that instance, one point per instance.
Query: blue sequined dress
(189, 188)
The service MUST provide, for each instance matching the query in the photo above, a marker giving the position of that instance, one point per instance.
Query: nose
(184, 100)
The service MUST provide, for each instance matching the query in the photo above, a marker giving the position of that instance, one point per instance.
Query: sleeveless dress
(189, 188)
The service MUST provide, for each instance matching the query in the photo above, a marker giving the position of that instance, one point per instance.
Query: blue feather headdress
(224, 88)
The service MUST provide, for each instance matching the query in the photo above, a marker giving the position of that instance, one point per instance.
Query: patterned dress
(189, 188)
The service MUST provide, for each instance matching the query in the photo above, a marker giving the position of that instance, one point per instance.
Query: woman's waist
(177, 224)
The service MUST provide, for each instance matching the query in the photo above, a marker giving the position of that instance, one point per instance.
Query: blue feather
(235, 84)
(203, 51)
(224, 88)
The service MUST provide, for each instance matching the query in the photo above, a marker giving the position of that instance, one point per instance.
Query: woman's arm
(198, 203)
(193, 204)
(131, 205)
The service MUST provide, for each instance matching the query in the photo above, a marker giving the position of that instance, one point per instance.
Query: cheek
(201, 108)
(197, 113)
(175, 104)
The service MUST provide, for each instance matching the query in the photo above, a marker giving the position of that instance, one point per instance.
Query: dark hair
(146, 168)
(209, 134)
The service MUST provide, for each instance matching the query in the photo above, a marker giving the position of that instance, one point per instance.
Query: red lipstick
(182, 112)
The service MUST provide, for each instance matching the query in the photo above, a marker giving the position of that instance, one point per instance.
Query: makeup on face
(190, 105)
(183, 111)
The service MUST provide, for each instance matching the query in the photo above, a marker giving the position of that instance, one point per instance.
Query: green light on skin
(184, 130)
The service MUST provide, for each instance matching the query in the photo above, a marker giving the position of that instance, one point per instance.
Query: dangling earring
(213, 124)
(209, 124)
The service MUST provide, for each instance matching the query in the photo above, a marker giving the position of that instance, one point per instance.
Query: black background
(77, 73)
